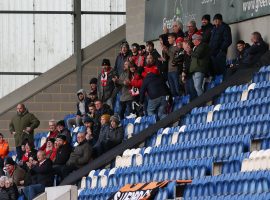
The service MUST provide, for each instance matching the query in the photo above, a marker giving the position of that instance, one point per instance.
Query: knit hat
(106, 117)
(106, 62)
(93, 81)
(88, 119)
(115, 119)
(217, 16)
(62, 137)
(206, 17)
(60, 123)
(9, 161)
(179, 39)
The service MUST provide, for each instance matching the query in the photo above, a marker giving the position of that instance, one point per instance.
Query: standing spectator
(100, 146)
(191, 30)
(4, 149)
(157, 97)
(206, 28)
(163, 67)
(126, 98)
(150, 66)
(53, 132)
(173, 76)
(82, 109)
(106, 87)
(22, 127)
(177, 28)
(14, 171)
(221, 39)
(60, 126)
(93, 86)
(257, 49)
(200, 60)
(136, 58)
(41, 175)
(121, 58)
(150, 49)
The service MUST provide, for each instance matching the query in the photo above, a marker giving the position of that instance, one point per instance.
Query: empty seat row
(237, 183)
(97, 193)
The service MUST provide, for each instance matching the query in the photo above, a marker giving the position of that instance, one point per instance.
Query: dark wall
(232, 10)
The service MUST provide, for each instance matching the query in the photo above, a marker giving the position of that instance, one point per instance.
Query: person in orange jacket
(4, 149)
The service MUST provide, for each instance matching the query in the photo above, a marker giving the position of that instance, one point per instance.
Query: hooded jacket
(19, 123)
(85, 100)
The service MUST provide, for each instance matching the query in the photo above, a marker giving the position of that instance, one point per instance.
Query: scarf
(104, 77)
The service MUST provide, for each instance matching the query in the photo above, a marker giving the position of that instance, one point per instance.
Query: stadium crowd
(147, 83)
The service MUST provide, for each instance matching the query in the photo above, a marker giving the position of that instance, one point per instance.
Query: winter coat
(12, 192)
(19, 123)
(18, 175)
(170, 54)
(86, 102)
(221, 39)
(119, 63)
(242, 57)
(125, 93)
(256, 51)
(4, 194)
(206, 32)
(81, 155)
(106, 91)
(154, 86)
(62, 154)
(200, 59)
(42, 173)
(4, 149)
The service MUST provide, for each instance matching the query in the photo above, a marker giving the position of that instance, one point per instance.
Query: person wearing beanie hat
(200, 61)
(115, 119)
(63, 130)
(206, 28)
(115, 134)
(105, 85)
(14, 171)
(221, 39)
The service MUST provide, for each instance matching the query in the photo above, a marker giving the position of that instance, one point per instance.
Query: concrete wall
(59, 98)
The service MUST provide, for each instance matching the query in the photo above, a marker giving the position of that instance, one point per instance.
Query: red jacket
(138, 60)
(136, 81)
(4, 149)
(147, 69)
(51, 154)
(51, 135)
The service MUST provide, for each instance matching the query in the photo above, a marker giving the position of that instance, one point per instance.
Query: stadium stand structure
(217, 147)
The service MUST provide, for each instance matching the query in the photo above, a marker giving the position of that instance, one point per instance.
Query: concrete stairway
(53, 94)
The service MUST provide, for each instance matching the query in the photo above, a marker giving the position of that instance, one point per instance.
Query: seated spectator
(126, 98)
(100, 146)
(115, 134)
(41, 175)
(61, 128)
(82, 109)
(150, 49)
(62, 154)
(121, 58)
(257, 49)
(105, 86)
(91, 135)
(177, 28)
(157, 98)
(29, 152)
(206, 28)
(50, 150)
(4, 149)
(200, 60)
(80, 156)
(3, 192)
(101, 109)
(14, 171)
(192, 29)
(173, 72)
(53, 132)
(11, 189)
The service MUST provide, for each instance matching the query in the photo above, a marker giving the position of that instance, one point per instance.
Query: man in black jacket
(42, 176)
(221, 39)
(157, 91)
(206, 28)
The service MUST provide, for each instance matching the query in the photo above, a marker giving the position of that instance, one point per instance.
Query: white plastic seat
(94, 182)
(118, 161)
(182, 128)
(166, 130)
(147, 150)
(217, 107)
(91, 173)
(245, 165)
(139, 159)
(137, 120)
(175, 138)
(138, 150)
(112, 171)
(102, 172)
(126, 152)
(253, 154)
(129, 129)
(83, 182)
(104, 181)
(158, 140)
(260, 154)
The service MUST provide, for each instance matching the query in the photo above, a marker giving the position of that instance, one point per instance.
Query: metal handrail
(21, 73)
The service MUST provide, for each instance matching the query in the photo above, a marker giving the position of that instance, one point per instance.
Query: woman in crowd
(50, 149)
(29, 152)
